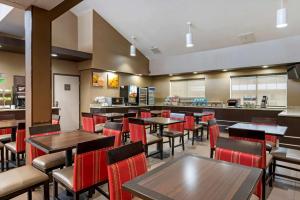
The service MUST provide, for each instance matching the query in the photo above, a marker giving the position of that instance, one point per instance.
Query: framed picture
(113, 80)
(98, 79)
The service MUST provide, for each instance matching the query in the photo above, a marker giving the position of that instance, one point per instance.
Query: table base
(165, 155)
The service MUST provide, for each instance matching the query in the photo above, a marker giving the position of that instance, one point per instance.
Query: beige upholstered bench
(20, 180)
(286, 155)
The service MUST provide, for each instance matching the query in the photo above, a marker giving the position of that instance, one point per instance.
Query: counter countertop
(16, 110)
(290, 112)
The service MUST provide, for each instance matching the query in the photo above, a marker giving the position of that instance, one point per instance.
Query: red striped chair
(243, 153)
(125, 128)
(55, 119)
(137, 129)
(99, 122)
(92, 123)
(256, 137)
(271, 140)
(145, 113)
(124, 164)
(17, 147)
(114, 129)
(39, 159)
(213, 136)
(190, 125)
(166, 113)
(205, 119)
(89, 170)
(174, 131)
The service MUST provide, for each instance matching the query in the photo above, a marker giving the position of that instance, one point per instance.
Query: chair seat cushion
(269, 146)
(11, 146)
(65, 176)
(20, 178)
(172, 133)
(286, 154)
(99, 128)
(151, 139)
(49, 161)
(5, 138)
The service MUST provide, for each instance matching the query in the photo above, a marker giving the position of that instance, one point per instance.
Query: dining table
(110, 116)
(275, 130)
(162, 122)
(193, 177)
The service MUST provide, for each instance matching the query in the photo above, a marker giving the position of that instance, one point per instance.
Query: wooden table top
(63, 141)
(269, 129)
(110, 115)
(162, 120)
(191, 177)
(13, 123)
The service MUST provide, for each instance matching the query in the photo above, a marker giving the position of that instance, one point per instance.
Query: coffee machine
(264, 102)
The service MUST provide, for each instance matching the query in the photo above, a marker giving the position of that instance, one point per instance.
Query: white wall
(263, 53)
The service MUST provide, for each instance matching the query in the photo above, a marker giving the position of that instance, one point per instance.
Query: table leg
(13, 139)
(165, 154)
(68, 163)
(197, 119)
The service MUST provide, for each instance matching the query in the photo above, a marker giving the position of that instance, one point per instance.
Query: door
(66, 94)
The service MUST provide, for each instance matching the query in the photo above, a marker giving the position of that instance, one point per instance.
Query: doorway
(66, 97)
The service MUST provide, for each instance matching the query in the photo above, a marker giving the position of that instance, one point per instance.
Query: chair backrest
(146, 113)
(98, 119)
(189, 121)
(114, 129)
(55, 119)
(206, 118)
(125, 121)
(41, 130)
(90, 163)
(20, 138)
(252, 136)
(166, 113)
(124, 164)
(241, 152)
(136, 112)
(214, 132)
(178, 127)
(87, 122)
(137, 130)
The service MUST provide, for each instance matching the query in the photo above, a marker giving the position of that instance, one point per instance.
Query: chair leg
(2, 160)
(29, 194)
(55, 187)
(271, 175)
(17, 160)
(173, 146)
(193, 137)
(182, 138)
(76, 196)
(211, 153)
(207, 131)
(170, 144)
(273, 170)
(7, 159)
(264, 184)
(161, 150)
(46, 191)
(188, 134)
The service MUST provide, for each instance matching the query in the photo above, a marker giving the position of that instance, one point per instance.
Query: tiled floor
(282, 190)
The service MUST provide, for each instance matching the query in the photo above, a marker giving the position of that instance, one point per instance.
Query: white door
(66, 93)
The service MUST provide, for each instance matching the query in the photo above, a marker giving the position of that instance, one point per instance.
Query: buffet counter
(19, 114)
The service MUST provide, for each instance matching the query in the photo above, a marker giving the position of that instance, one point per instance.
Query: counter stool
(2, 156)
(23, 179)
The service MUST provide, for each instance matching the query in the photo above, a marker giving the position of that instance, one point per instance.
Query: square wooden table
(110, 116)
(191, 177)
(275, 130)
(65, 141)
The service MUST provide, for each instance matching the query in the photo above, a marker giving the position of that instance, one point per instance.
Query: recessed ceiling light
(132, 47)
(189, 37)
(224, 70)
(265, 66)
(54, 55)
(195, 72)
(170, 74)
(281, 20)
(0, 46)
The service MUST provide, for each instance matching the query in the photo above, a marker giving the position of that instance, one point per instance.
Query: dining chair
(271, 140)
(125, 128)
(6, 131)
(39, 159)
(174, 131)
(92, 123)
(205, 119)
(124, 164)
(17, 147)
(165, 113)
(55, 119)
(190, 125)
(137, 129)
(241, 152)
(256, 137)
(114, 129)
(89, 170)
(214, 130)
(146, 113)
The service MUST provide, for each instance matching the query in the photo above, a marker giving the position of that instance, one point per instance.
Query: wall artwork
(113, 80)
(98, 79)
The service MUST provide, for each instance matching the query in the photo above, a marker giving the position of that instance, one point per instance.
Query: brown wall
(217, 85)
(85, 32)
(65, 31)
(88, 92)
(111, 50)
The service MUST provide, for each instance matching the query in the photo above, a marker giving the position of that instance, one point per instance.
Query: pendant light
(281, 16)
(189, 37)
(132, 47)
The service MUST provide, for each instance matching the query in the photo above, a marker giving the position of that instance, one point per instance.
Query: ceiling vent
(155, 50)
(247, 37)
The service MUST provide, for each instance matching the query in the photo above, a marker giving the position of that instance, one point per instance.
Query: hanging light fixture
(189, 37)
(132, 47)
(281, 21)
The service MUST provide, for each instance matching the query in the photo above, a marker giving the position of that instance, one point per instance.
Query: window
(272, 86)
(188, 88)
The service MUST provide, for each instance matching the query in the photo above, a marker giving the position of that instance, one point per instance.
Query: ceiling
(23, 4)
(215, 24)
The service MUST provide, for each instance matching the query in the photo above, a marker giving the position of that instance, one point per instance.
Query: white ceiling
(23, 4)
(216, 23)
